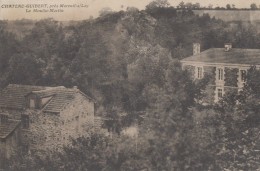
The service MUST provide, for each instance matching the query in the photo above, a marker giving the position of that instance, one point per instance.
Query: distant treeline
(190, 5)
(103, 56)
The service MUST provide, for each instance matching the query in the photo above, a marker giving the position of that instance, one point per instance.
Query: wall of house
(231, 77)
(210, 72)
(2, 154)
(43, 132)
(229, 84)
(8, 147)
(49, 131)
(77, 118)
(190, 69)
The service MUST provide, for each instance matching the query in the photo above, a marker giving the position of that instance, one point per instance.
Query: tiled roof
(234, 56)
(8, 127)
(47, 92)
(13, 96)
(62, 97)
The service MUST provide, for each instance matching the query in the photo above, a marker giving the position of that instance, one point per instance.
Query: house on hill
(44, 118)
(227, 67)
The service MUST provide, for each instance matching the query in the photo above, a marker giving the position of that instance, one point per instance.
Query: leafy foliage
(128, 61)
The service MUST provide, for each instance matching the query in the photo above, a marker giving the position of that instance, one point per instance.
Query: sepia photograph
(129, 85)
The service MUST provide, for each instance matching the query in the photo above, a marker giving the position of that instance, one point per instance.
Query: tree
(168, 121)
(158, 4)
(105, 11)
(189, 5)
(9, 46)
(236, 126)
(228, 6)
(253, 6)
(181, 5)
(210, 6)
(196, 5)
(25, 69)
(96, 152)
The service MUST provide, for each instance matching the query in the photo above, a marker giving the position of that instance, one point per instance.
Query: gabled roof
(46, 92)
(13, 96)
(8, 127)
(234, 56)
(62, 97)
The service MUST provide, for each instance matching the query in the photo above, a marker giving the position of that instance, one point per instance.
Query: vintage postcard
(129, 85)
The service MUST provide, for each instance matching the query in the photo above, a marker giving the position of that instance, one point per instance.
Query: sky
(89, 7)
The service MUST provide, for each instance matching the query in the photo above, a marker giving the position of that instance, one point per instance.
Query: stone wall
(43, 131)
(50, 131)
(77, 118)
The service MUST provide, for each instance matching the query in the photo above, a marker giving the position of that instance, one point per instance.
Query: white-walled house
(227, 67)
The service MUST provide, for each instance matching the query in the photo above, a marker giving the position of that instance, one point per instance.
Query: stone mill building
(42, 118)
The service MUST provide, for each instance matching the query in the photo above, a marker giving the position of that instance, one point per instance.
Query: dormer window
(32, 103)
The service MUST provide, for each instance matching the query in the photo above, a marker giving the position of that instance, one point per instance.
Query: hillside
(101, 52)
(128, 61)
(232, 15)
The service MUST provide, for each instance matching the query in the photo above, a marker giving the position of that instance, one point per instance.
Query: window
(199, 73)
(220, 93)
(25, 121)
(32, 103)
(220, 74)
(242, 75)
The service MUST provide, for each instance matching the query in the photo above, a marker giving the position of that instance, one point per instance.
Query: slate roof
(8, 127)
(61, 98)
(13, 96)
(47, 92)
(234, 56)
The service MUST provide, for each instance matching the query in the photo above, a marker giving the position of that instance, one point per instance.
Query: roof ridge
(236, 56)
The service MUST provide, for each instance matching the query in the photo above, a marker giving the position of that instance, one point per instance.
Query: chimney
(228, 47)
(196, 48)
